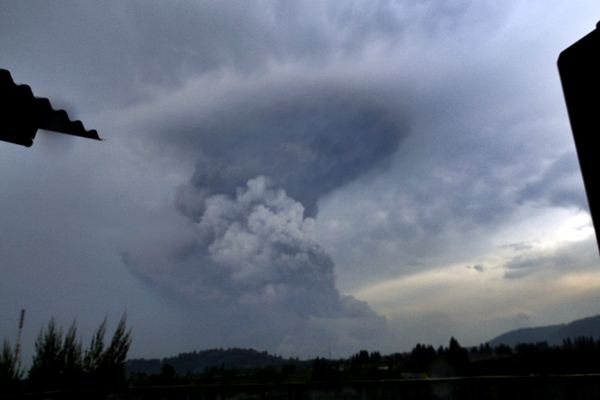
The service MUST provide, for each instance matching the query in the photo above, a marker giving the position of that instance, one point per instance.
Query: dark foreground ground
(571, 387)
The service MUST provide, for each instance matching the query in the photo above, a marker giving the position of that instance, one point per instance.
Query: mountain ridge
(552, 334)
(198, 361)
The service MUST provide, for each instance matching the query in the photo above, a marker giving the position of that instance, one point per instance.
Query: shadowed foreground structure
(22, 114)
(479, 388)
(577, 387)
(579, 68)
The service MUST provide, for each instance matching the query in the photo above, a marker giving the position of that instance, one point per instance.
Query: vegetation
(10, 372)
(61, 364)
(577, 356)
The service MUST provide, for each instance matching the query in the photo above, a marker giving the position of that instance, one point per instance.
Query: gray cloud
(424, 122)
(438, 205)
(559, 185)
(476, 267)
(568, 256)
(124, 52)
(518, 247)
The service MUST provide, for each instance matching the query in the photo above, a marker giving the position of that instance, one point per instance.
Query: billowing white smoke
(253, 259)
(264, 247)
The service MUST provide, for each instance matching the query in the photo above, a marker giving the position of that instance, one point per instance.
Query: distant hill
(198, 361)
(553, 334)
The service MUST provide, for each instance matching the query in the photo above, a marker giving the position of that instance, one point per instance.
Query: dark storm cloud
(307, 140)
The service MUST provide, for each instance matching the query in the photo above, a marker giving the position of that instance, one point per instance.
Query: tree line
(61, 363)
(573, 356)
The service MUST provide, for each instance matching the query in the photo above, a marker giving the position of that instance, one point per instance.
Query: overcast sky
(299, 177)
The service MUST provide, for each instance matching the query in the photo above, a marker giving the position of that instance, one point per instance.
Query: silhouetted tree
(116, 355)
(105, 367)
(71, 358)
(503, 350)
(375, 357)
(10, 372)
(60, 364)
(93, 355)
(421, 358)
(323, 370)
(457, 357)
(47, 363)
(167, 374)
(360, 358)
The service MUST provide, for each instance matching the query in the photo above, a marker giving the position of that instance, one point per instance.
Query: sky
(308, 178)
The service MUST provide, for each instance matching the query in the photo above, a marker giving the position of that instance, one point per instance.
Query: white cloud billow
(255, 254)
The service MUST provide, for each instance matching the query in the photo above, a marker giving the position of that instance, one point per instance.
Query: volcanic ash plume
(243, 254)
(254, 254)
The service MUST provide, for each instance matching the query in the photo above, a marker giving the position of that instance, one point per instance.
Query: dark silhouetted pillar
(579, 68)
